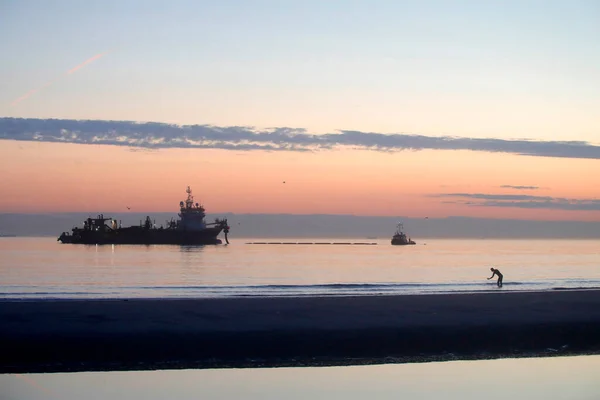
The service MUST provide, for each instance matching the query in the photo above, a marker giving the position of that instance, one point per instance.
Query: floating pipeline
(314, 243)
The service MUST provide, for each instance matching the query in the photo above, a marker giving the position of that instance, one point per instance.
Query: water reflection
(547, 378)
(191, 248)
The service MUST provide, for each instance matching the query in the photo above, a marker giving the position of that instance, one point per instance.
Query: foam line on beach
(17, 293)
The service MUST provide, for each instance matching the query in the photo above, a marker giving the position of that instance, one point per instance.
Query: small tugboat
(189, 229)
(399, 238)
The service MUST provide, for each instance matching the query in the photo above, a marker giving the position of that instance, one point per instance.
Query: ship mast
(189, 203)
(399, 228)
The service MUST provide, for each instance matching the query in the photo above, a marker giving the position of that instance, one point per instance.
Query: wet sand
(87, 335)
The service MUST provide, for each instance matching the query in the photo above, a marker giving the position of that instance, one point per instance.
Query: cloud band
(152, 135)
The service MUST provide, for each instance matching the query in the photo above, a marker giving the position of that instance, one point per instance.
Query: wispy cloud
(485, 196)
(86, 62)
(33, 91)
(521, 201)
(154, 135)
(520, 187)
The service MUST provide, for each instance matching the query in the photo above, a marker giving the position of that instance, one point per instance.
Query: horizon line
(216, 214)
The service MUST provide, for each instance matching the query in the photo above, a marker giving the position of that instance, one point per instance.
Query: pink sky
(53, 177)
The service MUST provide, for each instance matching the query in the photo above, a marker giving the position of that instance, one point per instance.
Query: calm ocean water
(42, 268)
(557, 378)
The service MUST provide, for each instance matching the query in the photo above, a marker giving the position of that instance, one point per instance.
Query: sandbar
(137, 334)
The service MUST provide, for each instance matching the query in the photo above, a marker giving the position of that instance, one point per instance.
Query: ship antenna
(190, 199)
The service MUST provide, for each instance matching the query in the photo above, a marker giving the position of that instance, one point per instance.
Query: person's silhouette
(496, 272)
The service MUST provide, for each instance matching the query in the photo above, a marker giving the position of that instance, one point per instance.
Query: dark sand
(84, 335)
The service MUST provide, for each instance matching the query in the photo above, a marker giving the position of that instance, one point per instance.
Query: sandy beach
(86, 335)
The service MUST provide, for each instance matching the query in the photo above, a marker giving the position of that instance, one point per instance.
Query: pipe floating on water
(313, 243)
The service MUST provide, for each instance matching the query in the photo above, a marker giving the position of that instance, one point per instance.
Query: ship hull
(402, 242)
(135, 235)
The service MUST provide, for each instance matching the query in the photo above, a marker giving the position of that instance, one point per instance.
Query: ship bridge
(191, 214)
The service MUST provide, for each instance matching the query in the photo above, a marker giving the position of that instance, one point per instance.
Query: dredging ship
(400, 238)
(189, 229)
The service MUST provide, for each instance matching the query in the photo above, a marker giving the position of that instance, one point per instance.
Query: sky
(417, 108)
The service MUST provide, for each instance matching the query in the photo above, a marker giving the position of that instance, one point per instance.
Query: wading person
(496, 272)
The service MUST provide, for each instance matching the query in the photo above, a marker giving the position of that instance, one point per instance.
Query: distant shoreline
(283, 226)
(132, 334)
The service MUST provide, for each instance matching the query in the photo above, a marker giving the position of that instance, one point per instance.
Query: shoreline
(494, 290)
(251, 332)
(297, 362)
